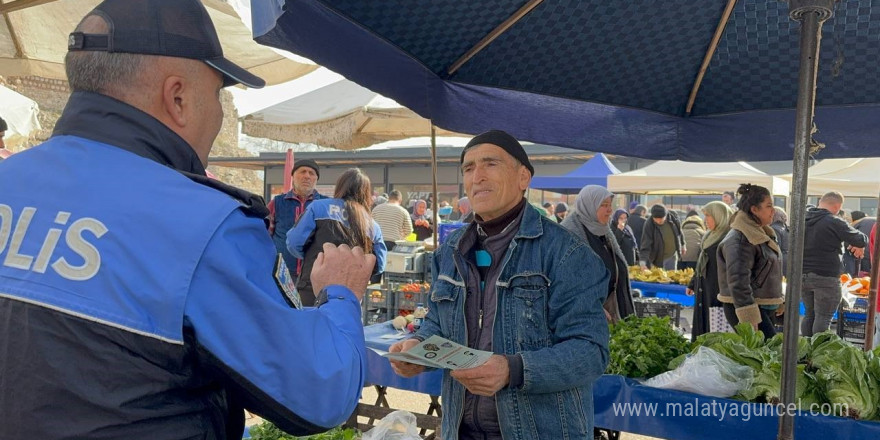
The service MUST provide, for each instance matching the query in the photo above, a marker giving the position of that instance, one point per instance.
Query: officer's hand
(486, 379)
(405, 369)
(343, 266)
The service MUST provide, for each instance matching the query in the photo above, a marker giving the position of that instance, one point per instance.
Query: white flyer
(438, 352)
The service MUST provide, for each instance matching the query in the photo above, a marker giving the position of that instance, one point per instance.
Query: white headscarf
(584, 215)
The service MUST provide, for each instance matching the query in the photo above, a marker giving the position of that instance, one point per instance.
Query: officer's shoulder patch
(286, 284)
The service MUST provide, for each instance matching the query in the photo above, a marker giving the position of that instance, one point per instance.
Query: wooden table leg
(381, 400)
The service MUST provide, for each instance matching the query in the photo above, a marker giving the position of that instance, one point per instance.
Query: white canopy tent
(20, 114)
(851, 177)
(683, 178)
(326, 109)
(33, 39)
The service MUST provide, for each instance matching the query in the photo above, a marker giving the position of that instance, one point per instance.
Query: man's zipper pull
(480, 323)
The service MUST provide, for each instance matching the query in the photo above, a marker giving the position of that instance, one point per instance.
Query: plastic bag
(708, 373)
(398, 425)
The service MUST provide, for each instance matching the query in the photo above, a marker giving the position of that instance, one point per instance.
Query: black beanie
(658, 211)
(306, 163)
(3, 125)
(507, 142)
(858, 215)
(561, 207)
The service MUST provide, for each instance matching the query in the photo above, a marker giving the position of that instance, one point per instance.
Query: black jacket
(782, 233)
(637, 224)
(823, 235)
(627, 242)
(651, 244)
(705, 287)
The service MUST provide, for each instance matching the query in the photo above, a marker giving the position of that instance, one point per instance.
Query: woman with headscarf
(708, 311)
(589, 219)
(626, 239)
(421, 222)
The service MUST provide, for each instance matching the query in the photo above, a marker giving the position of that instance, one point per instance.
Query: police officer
(136, 295)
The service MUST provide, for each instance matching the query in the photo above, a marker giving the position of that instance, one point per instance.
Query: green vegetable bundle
(643, 347)
(830, 370)
(268, 431)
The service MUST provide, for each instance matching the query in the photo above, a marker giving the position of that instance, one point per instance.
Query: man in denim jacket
(519, 285)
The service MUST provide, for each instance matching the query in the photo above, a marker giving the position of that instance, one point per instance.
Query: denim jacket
(549, 310)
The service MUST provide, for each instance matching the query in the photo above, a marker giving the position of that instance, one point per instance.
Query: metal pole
(811, 13)
(435, 215)
(872, 298)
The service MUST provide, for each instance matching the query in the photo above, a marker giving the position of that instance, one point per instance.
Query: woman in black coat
(625, 237)
(708, 311)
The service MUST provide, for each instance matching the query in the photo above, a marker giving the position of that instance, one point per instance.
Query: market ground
(417, 402)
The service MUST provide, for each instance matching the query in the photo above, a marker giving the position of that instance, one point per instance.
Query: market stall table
(616, 400)
(672, 292)
(686, 416)
(381, 376)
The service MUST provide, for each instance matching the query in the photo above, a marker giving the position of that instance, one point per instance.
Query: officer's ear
(175, 103)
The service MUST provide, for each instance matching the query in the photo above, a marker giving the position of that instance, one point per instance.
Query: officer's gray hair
(102, 72)
(98, 71)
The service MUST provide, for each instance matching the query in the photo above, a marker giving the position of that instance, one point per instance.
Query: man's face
(304, 180)
(493, 180)
(727, 199)
(659, 221)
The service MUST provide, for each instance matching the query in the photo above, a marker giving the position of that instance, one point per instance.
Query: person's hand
(405, 369)
(344, 266)
(684, 250)
(689, 292)
(486, 379)
(857, 252)
(608, 316)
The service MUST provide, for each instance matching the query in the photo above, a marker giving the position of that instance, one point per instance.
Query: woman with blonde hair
(708, 311)
(344, 219)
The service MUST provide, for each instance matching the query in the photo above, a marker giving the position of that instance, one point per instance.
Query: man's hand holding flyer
(437, 352)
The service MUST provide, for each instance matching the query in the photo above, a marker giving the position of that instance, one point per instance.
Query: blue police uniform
(137, 298)
(325, 222)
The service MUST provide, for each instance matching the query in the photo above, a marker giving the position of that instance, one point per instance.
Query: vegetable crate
(403, 278)
(658, 307)
(851, 324)
(378, 305)
(405, 302)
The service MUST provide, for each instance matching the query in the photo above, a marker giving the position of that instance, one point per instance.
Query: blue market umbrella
(593, 172)
(709, 80)
(609, 76)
